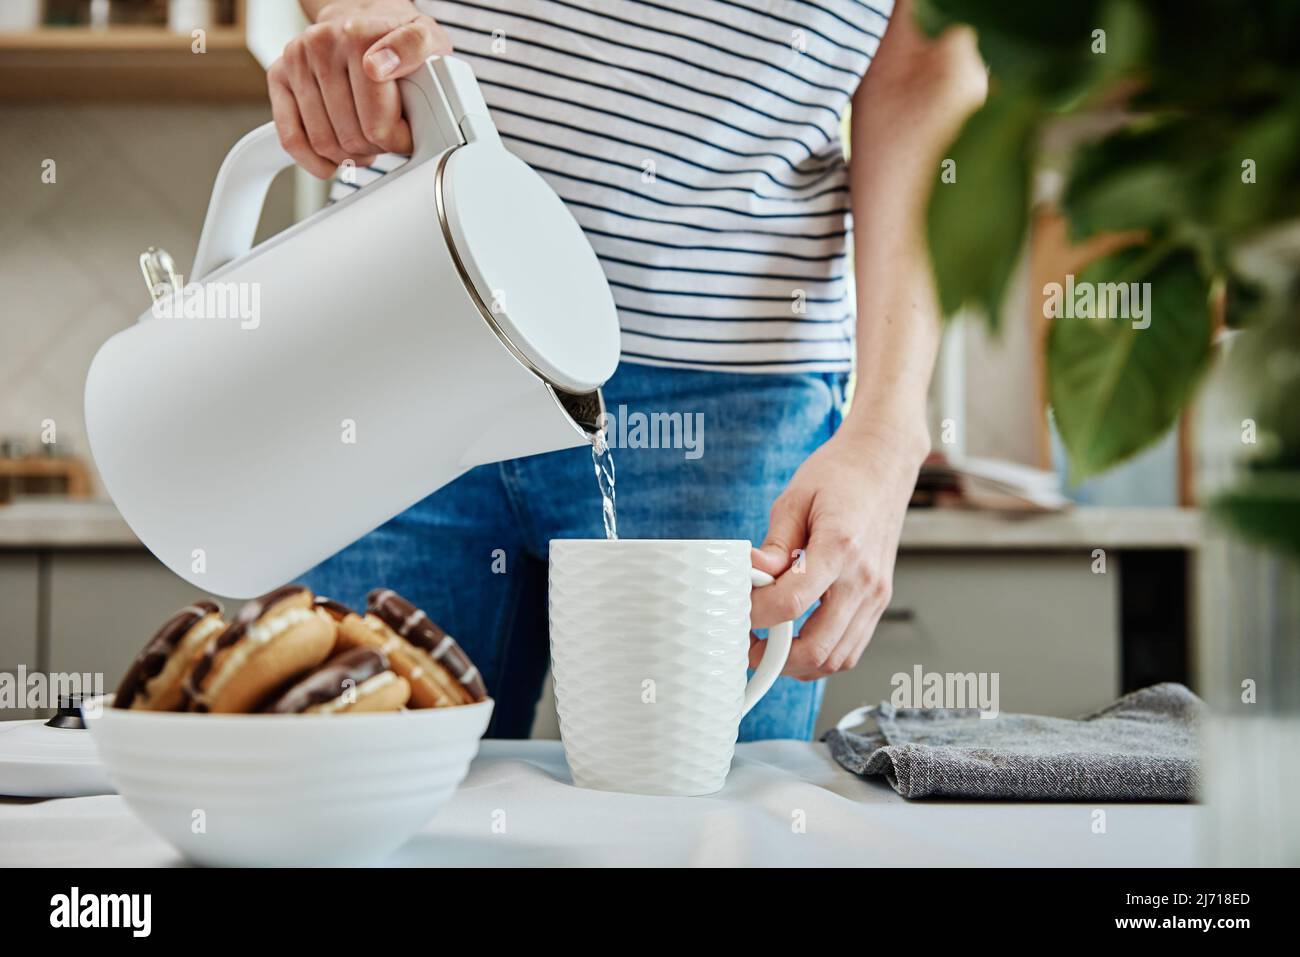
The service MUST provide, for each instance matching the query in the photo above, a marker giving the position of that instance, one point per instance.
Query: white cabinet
(104, 605)
(1044, 623)
(20, 575)
(19, 595)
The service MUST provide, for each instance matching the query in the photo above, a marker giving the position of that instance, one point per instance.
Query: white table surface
(773, 785)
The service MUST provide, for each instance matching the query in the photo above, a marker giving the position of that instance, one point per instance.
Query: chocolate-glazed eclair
(353, 632)
(335, 609)
(356, 680)
(439, 671)
(155, 680)
(272, 640)
(338, 611)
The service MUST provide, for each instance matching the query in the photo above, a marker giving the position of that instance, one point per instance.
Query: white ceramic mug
(649, 648)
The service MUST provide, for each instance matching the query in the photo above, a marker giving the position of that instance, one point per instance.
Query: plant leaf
(1271, 142)
(1127, 39)
(977, 224)
(1116, 389)
(1265, 508)
(1130, 180)
(1027, 44)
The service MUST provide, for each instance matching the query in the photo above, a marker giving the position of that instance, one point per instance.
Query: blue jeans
(447, 553)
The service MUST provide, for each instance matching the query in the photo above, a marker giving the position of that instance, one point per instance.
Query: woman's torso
(697, 142)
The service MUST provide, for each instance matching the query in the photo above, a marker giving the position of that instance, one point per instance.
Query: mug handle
(775, 651)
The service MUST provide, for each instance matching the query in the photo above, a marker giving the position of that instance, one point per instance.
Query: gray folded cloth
(1141, 748)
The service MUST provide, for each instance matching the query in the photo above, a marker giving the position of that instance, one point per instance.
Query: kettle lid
(530, 265)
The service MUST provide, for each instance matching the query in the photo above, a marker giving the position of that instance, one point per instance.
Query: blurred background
(116, 116)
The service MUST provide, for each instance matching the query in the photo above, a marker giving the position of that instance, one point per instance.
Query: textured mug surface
(649, 646)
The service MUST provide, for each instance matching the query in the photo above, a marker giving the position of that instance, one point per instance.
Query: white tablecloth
(785, 803)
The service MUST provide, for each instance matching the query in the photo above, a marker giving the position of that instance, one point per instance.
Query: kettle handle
(442, 104)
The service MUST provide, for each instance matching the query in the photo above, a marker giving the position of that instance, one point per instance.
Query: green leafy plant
(1195, 108)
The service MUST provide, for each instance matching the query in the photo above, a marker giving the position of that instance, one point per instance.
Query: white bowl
(287, 790)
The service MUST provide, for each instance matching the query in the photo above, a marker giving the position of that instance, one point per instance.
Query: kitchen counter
(785, 803)
(64, 524)
(34, 525)
(1006, 584)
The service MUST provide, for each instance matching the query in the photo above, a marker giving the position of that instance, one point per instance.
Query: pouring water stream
(602, 461)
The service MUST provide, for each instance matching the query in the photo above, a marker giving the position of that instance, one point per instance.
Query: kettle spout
(544, 420)
(586, 409)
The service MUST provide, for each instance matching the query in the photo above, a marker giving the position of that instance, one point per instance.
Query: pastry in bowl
(272, 641)
(336, 610)
(355, 681)
(155, 680)
(440, 673)
(278, 790)
(282, 779)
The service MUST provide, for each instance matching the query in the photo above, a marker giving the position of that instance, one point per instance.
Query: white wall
(126, 177)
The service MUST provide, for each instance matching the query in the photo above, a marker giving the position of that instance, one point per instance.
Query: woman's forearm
(906, 111)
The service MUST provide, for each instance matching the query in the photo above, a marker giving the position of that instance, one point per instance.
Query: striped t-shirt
(697, 142)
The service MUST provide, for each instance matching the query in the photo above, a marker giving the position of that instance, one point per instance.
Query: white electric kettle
(449, 315)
